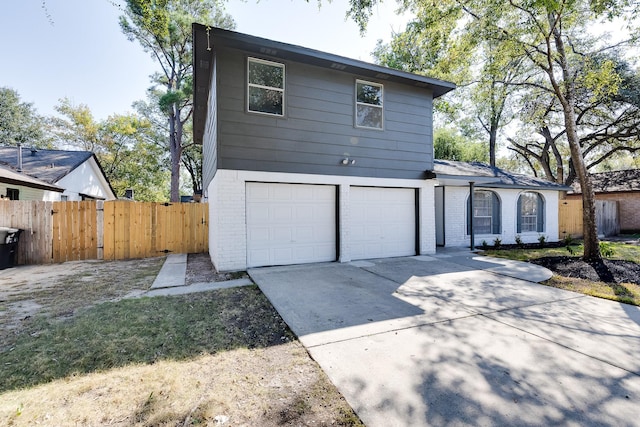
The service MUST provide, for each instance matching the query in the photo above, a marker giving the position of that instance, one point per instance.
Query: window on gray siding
(530, 213)
(486, 213)
(368, 104)
(265, 91)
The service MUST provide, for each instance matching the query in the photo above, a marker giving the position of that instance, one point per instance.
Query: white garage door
(383, 222)
(290, 224)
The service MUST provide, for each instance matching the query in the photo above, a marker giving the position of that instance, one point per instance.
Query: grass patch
(621, 251)
(627, 293)
(145, 330)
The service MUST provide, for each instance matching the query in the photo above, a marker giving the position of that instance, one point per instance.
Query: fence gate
(570, 218)
(75, 231)
(139, 230)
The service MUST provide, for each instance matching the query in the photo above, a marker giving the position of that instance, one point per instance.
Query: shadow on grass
(143, 330)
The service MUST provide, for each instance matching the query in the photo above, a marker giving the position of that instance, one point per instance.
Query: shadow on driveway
(420, 341)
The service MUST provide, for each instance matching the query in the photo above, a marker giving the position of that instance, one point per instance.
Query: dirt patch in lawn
(59, 290)
(607, 271)
(200, 270)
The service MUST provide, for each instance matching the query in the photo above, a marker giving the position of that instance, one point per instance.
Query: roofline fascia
(37, 186)
(219, 33)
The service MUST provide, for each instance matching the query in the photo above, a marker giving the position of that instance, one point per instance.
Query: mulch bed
(608, 271)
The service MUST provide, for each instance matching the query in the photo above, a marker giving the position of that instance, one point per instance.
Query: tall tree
(19, 121)
(545, 34)
(163, 29)
(191, 153)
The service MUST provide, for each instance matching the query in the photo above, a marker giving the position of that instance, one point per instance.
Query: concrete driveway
(453, 339)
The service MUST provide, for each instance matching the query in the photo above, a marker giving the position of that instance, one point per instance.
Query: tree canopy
(542, 52)
(19, 121)
(125, 144)
(163, 29)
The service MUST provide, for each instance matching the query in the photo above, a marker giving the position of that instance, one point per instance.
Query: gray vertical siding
(318, 128)
(210, 139)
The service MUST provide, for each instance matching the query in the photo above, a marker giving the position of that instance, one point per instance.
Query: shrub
(497, 242)
(519, 241)
(542, 240)
(485, 245)
(568, 240)
(606, 249)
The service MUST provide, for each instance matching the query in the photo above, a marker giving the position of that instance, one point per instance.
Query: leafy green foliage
(519, 241)
(19, 121)
(130, 153)
(450, 145)
(606, 249)
(542, 240)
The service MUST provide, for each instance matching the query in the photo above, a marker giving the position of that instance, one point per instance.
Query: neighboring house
(18, 186)
(309, 156)
(505, 205)
(77, 173)
(620, 186)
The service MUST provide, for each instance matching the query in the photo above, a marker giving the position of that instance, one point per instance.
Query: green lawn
(145, 330)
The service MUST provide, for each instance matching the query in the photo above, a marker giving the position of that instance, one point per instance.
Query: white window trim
(282, 90)
(381, 106)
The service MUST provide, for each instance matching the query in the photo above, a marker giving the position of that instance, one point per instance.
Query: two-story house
(310, 156)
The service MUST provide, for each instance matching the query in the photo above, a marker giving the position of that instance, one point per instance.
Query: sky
(75, 48)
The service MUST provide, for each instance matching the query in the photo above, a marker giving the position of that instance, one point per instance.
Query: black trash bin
(8, 246)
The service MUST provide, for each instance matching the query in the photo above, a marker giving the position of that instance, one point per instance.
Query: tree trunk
(175, 149)
(568, 100)
(493, 136)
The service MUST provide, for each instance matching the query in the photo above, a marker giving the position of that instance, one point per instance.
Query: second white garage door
(382, 223)
(290, 223)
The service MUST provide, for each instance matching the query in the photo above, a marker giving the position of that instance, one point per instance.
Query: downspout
(471, 216)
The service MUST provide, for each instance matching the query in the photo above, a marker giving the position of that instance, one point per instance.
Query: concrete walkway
(171, 280)
(456, 339)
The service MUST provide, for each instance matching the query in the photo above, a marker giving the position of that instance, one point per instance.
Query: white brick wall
(227, 222)
(345, 218)
(427, 218)
(456, 217)
(227, 216)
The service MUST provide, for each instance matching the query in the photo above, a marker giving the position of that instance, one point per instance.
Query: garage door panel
(383, 222)
(300, 223)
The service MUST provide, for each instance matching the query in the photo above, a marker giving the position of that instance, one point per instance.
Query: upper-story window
(265, 93)
(368, 105)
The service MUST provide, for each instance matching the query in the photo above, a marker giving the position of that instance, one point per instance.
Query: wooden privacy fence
(570, 218)
(66, 231)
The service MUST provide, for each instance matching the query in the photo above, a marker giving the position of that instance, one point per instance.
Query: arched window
(486, 213)
(530, 213)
